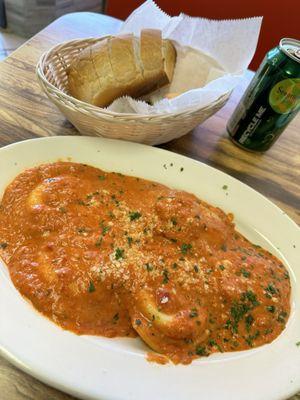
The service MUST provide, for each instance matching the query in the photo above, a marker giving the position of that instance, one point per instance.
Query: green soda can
(271, 101)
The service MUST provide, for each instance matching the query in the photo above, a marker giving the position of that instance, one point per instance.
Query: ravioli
(106, 254)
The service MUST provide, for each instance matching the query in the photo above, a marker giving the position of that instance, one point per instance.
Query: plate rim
(10, 356)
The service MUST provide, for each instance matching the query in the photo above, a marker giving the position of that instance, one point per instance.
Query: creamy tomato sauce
(106, 254)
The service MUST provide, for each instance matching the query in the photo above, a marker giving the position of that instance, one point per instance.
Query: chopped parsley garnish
(298, 344)
(138, 322)
(221, 267)
(237, 311)
(111, 214)
(268, 331)
(174, 221)
(196, 268)
(224, 187)
(149, 267)
(250, 338)
(119, 253)
(91, 287)
(251, 297)
(201, 351)
(105, 229)
(116, 318)
(224, 247)
(175, 266)
(3, 245)
(134, 215)
(114, 199)
(213, 343)
(282, 316)
(249, 321)
(165, 276)
(99, 241)
(286, 275)
(185, 247)
(62, 210)
(271, 309)
(271, 290)
(101, 177)
(129, 240)
(181, 169)
(245, 273)
(193, 313)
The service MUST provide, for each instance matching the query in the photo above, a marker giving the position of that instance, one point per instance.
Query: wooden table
(25, 113)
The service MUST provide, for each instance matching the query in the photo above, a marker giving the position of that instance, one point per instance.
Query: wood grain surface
(25, 112)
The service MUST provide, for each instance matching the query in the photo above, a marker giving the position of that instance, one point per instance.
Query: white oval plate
(116, 369)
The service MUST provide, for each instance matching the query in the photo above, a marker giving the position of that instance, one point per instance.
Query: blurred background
(21, 19)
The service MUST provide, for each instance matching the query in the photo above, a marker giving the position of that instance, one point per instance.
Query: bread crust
(122, 65)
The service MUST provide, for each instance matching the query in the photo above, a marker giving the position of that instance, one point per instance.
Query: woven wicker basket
(94, 121)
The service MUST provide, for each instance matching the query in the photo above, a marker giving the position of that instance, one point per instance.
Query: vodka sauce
(112, 255)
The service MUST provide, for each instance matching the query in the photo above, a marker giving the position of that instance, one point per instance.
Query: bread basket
(94, 121)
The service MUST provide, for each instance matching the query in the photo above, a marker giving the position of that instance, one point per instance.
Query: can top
(291, 47)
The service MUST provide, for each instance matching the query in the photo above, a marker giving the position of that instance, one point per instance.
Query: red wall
(280, 19)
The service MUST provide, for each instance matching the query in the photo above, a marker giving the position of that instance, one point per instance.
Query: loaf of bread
(122, 65)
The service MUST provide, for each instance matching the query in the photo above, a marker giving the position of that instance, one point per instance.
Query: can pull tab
(294, 52)
(297, 54)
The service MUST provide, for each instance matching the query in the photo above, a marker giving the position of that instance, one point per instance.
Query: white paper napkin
(211, 58)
